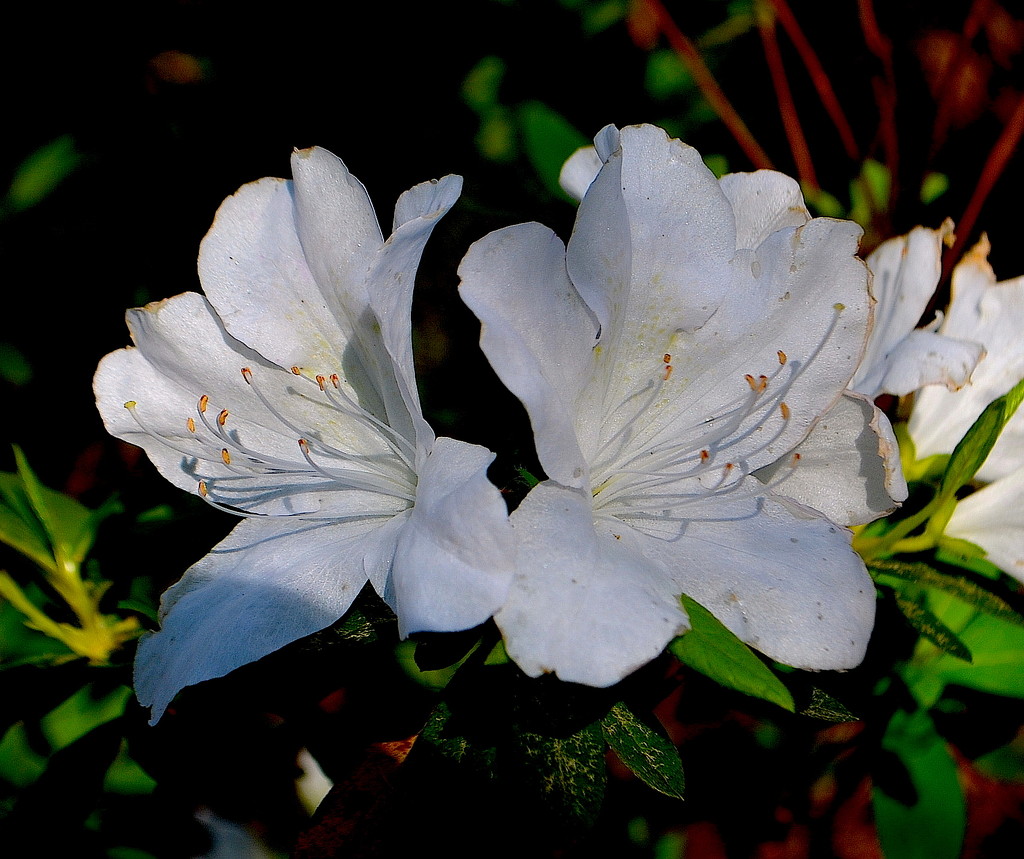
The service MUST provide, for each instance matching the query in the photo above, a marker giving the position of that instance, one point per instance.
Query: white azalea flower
(692, 332)
(287, 396)
(901, 358)
(992, 313)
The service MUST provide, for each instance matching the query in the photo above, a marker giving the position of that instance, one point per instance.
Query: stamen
(203, 402)
(782, 357)
(225, 454)
(191, 424)
(222, 417)
(785, 411)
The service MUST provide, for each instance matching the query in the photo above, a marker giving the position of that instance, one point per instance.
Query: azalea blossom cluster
(698, 364)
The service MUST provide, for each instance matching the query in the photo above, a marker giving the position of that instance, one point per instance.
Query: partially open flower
(692, 333)
(993, 314)
(287, 396)
(900, 357)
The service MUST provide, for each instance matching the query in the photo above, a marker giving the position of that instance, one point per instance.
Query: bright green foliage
(715, 652)
(649, 754)
(926, 817)
(56, 532)
(996, 646)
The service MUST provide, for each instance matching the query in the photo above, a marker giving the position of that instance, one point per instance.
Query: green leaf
(714, 651)
(823, 706)
(958, 586)
(39, 174)
(928, 625)
(930, 823)
(974, 448)
(565, 775)
(997, 651)
(70, 526)
(650, 755)
(933, 186)
(84, 711)
(549, 140)
(20, 764)
(666, 74)
(480, 87)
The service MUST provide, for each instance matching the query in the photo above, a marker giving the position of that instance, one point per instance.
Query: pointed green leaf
(650, 755)
(997, 650)
(70, 526)
(929, 823)
(715, 652)
(974, 448)
(958, 586)
(823, 706)
(928, 625)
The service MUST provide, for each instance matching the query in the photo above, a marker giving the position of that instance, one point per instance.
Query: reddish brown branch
(819, 78)
(705, 80)
(787, 107)
(996, 162)
(884, 86)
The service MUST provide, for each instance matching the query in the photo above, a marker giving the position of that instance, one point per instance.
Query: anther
(222, 417)
(666, 358)
(225, 455)
(202, 488)
(756, 385)
(131, 404)
(785, 411)
(247, 375)
(335, 380)
(668, 372)
(782, 357)
(191, 424)
(304, 446)
(729, 466)
(796, 458)
(320, 380)
(705, 455)
(203, 402)
(296, 371)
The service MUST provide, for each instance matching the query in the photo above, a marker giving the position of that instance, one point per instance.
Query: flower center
(247, 472)
(637, 472)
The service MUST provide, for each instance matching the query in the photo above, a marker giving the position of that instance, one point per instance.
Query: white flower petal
(584, 606)
(764, 202)
(453, 563)
(781, 578)
(256, 276)
(991, 518)
(537, 334)
(991, 313)
(391, 279)
(579, 171)
(847, 468)
(270, 582)
(921, 358)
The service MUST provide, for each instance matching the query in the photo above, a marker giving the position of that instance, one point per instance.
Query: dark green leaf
(930, 823)
(714, 651)
(926, 623)
(549, 140)
(566, 775)
(958, 586)
(974, 448)
(650, 755)
(823, 706)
